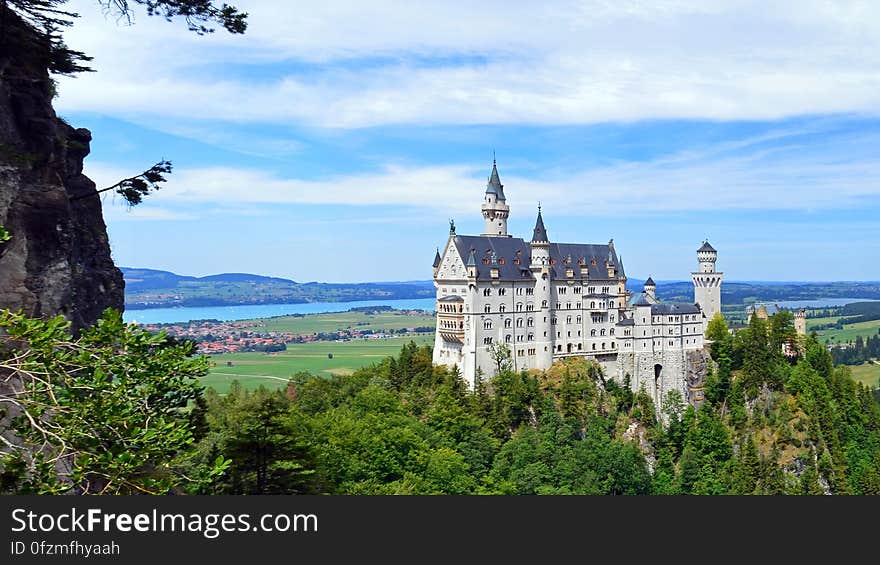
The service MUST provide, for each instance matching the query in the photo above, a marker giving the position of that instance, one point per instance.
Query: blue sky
(334, 141)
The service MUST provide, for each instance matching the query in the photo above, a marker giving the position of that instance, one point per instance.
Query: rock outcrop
(58, 260)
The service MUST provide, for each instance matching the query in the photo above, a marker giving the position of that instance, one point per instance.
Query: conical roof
(494, 185)
(540, 233)
(437, 259)
(706, 247)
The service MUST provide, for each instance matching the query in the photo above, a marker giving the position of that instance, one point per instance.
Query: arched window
(519, 306)
(594, 347)
(502, 308)
(487, 291)
(508, 323)
(578, 319)
(530, 322)
(602, 332)
(592, 304)
(543, 304)
(611, 331)
(487, 325)
(519, 322)
(501, 291)
(507, 338)
(487, 309)
(592, 333)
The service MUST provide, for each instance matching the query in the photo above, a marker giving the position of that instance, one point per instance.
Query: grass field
(868, 374)
(273, 369)
(334, 321)
(849, 331)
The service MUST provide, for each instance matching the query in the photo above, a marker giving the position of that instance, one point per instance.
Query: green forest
(119, 410)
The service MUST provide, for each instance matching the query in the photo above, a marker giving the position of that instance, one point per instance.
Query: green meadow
(848, 333)
(273, 369)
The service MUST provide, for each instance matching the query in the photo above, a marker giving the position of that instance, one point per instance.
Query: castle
(763, 312)
(546, 301)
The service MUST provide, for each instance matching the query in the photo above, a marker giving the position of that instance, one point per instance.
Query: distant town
(216, 337)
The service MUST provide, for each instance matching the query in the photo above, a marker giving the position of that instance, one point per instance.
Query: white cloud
(768, 172)
(511, 62)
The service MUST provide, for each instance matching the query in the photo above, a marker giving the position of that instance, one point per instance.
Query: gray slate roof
(639, 299)
(650, 282)
(674, 308)
(706, 247)
(451, 299)
(540, 233)
(506, 248)
(494, 185)
(437, 259)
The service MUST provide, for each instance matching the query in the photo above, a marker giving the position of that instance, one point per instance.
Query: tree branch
(133, 189)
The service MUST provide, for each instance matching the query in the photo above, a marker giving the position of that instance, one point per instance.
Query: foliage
(103, 413)
(41, 22)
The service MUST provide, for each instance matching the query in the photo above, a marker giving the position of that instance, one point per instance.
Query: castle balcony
(450, 319)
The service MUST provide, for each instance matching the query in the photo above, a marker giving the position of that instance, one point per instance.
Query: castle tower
(650, 290)
(707, 283)
(540, 267)
(495, 208)
(800, 322)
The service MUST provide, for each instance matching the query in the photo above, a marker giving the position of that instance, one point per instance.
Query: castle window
(519, 306)
(613, 345)
(530, 291)
(507, 338)
(569, 334)
(531, 322)
(577, 290)
(611, 304)
(580, 347)
(592, 333)
(487, 309)
(558, 334)
(578, 306)
(568, 305)
(487, 341)
(502, 308)
(568, 320)
(592, 304)
(531, 337)
(519, 322)
(532, 351)
(602, 332)
(508, 323)
(578, 319)
(603, 345)
(519, 338)
(530, 307)
(487, 325)
(487, 291)
(543, 304)
(562, 290)
(594, 347)
(502, 291)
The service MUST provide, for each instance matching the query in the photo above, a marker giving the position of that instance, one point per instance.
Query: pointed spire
(540, 233)
(437, 258)
(650, 282)
(494, 185)
(472, 260)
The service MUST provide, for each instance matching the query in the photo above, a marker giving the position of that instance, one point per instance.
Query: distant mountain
(152, 288)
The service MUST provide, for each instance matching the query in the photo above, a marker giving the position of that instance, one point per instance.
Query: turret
(436, 262)
(471, 266)
(800, 322)
(706, 256)
(707, 283)
(540, 267)
(650, 289)
(495, 208)
(540, 244)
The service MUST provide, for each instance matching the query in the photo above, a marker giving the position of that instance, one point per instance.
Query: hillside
(150, 288)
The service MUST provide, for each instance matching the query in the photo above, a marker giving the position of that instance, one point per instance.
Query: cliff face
(58, 260)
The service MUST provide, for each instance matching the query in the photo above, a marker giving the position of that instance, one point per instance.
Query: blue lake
(818, 303)
(247, 312)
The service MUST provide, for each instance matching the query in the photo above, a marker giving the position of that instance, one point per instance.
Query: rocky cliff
(58, 260)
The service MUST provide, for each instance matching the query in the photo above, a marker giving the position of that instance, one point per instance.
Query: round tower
(707, 283)
(495, 208)
(539, 264)
(650, 289)
(800, 322)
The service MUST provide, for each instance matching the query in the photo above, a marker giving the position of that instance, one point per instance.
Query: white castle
(547, 301)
